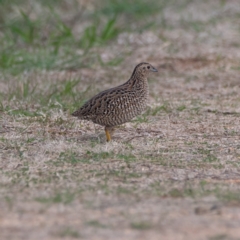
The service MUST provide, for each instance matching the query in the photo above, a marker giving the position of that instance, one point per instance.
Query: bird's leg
(109, 131)
(107, 134)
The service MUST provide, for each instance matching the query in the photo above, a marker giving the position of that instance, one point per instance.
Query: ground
(171, 173)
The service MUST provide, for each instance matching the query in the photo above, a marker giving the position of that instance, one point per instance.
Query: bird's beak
(154, 69)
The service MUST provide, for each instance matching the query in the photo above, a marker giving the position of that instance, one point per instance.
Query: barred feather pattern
(120, 104)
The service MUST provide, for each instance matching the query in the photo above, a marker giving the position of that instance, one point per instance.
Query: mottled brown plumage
(120, 104)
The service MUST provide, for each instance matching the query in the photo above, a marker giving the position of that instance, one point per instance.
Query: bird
(120, 104)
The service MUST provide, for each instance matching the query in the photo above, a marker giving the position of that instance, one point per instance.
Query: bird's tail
(75, 114)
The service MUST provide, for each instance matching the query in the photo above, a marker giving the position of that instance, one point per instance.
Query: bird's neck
(138, 80)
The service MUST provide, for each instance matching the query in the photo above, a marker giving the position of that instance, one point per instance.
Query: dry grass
(172, 173)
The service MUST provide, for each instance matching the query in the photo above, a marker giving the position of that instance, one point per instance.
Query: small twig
(134, 137)
(223, 113)
(4, 131)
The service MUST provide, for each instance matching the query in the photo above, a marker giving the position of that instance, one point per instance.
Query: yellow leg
(108, 135)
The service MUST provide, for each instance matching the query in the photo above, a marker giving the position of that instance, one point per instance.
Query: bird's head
(144, 69)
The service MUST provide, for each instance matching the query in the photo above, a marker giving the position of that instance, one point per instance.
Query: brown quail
(120, 104)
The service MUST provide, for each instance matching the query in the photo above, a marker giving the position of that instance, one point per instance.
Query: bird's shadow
(99, 137)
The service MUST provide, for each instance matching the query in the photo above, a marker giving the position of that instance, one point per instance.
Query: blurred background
(70, 34)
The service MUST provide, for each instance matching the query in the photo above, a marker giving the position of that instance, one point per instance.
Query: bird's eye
(148, 67)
